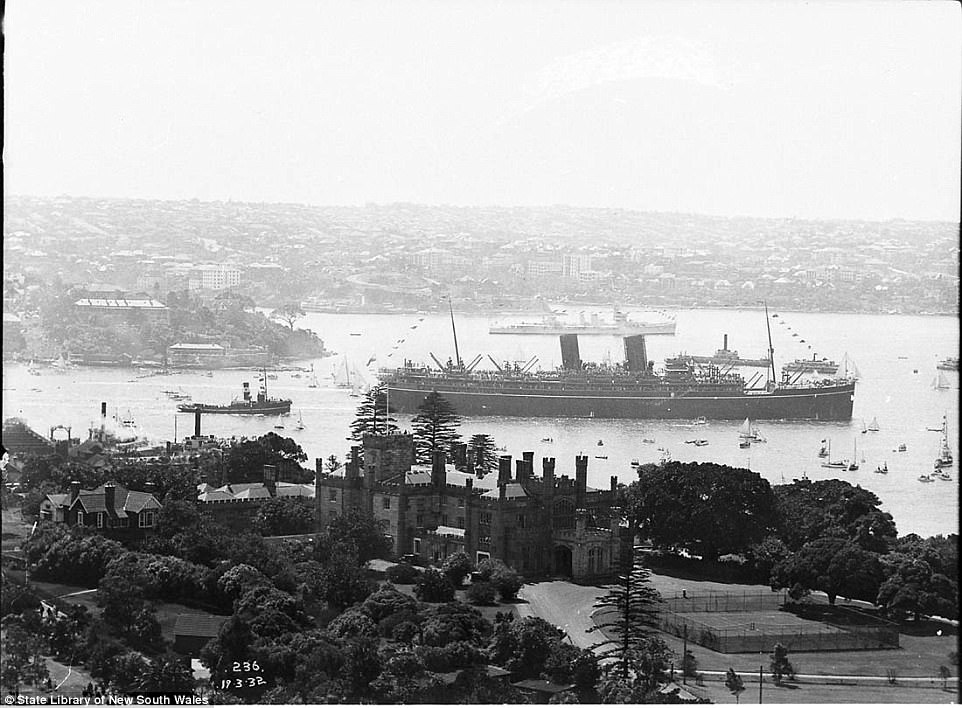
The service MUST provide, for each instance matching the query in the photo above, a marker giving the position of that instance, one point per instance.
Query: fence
(734, 623)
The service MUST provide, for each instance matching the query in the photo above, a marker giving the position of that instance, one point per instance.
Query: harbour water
(896, 356)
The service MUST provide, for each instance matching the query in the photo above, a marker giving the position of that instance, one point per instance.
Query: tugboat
(262, 405)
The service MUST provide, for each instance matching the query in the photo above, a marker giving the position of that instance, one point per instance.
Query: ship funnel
(725, 345)
(636, 354)
(570, 356)
(197, 423)
(247, 391)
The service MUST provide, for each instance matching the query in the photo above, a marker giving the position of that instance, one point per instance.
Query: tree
(710, 509)
(647, 669)
(435, 426)
(627, 612)
(360, 534)
(836, 566)
(734, 683)
(456, 566)
(290, 313)
(912, 586)
(374, 415)
(432, 586)
(121, 601)
(522, 646)
(507, 581)
(481, 593)
(811, 510)
(22, 660)
(483, 453)
(245, 460)
(283, 516)
(167, 673)
(780, 665)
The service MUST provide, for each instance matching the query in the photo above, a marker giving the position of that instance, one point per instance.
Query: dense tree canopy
(245, 460)
(708, 508)
(913, 586)
(834, 565)
(810, 510)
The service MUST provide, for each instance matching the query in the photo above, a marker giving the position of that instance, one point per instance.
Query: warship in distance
(629, 390)
(246, 405)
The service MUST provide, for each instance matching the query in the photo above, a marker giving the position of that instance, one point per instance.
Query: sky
(788, 109)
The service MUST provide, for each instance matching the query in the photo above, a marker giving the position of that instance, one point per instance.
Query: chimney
(103, 418)
(581, 479)
(504, 469)
(614, 482)
(439, 475)
(109, 496)
(197, 423)
(74, 490)
(459, 451)
(167, 448)
(528, 464)
(318, 466)
(149, 487)
(615, 519)
(270, 479)
(519, 470)
(502, 491)
(725, 345)
(547, 475)
(352, 468)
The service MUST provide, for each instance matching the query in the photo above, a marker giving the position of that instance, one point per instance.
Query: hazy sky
(847, 109)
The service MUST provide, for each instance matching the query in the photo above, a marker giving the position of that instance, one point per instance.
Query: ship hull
(824, 403)
(273, 409)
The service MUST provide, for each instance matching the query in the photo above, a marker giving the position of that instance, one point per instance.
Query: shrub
(353, 623)
(508, 583)
(455, 567)
(454, 656)
(403, 574)
(434, 587)
(481, 593)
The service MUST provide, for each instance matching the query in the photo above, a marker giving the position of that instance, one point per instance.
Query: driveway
(564, 605)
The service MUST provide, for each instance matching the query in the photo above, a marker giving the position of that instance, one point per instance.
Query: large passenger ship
(629, 390)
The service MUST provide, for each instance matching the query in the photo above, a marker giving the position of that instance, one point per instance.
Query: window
(481, 556)
(460, 522)
(419, 520)
(486, 518)
(146, 519)
(80, 518)
(386, 501)
(521, 521)
(100, 519)
(332, 495)
(444, 519)
(417, 545)
(460, 501)
(564, 514)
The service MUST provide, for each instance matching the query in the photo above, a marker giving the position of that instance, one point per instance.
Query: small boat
(925, 478)
(547, 440)
(300, 422)
(883, 468)
(903, 357)
(279, 426)
(701, 420)
(749, 432)
(601, 442)
(945, 458)
(355, 334)
(834, 464)
(942, 475)
(210, 374)
(873, 426)
(635, 462)
(902, 447)
(701, 443)
(601, 457)
(864, 428)
(648, 441)
(744, 443)
(940, 382)
(312, 382)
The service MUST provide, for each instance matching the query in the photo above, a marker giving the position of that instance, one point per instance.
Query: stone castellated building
(542, 526)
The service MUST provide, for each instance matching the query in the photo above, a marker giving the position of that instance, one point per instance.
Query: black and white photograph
(460, 352)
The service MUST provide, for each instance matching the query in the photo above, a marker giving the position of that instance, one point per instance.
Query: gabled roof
(125, 501)
(191, 625)
(59, 499)
(513, 490)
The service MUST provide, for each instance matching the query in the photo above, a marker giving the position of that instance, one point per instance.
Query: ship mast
(454, 331)
(771, 349)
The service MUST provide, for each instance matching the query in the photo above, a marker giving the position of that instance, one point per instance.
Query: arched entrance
(562, 561)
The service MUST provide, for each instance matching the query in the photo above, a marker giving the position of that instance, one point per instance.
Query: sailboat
(873, 426)
(750, 432)
(945, 450)
(834, 464)
(847, 369)
(864, 428)
(300, 421)
(825, 449)
(312, 382)
(853, 465)
(940, 382)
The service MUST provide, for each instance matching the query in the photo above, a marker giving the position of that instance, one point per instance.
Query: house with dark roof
(193, 631)
(541, 526)
(110, 508)
(235, 505)
(20, 439)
